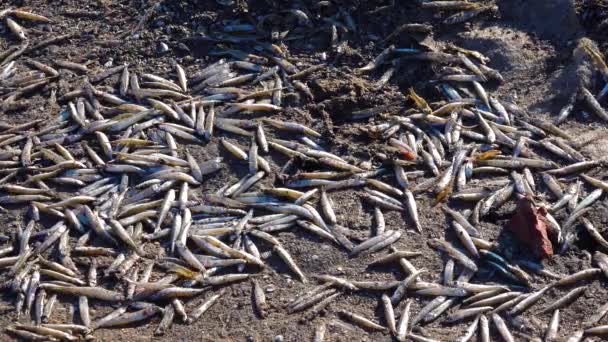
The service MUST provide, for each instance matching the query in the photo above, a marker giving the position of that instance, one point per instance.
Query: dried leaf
(528, 224)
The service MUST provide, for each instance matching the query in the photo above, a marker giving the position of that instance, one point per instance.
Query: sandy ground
(530, 43)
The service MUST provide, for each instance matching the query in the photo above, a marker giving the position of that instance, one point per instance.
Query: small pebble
(162, 47)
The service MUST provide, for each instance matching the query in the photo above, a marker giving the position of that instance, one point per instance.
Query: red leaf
(528, 225)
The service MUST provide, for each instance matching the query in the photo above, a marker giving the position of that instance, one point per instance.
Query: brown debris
(528, 224)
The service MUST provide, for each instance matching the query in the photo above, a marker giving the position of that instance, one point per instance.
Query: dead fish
(91, 292)
(202, 308)
(565, 300)
(454, 253)
(578, 276)
(15, 28)
(129, 318)
(598, 330)
(470, 330)
(528, 301)
(362, 321)
(502, 328)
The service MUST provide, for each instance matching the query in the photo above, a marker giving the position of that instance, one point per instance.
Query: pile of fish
(114, 198)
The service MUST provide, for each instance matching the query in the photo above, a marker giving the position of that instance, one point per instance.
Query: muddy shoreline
(531, 44)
